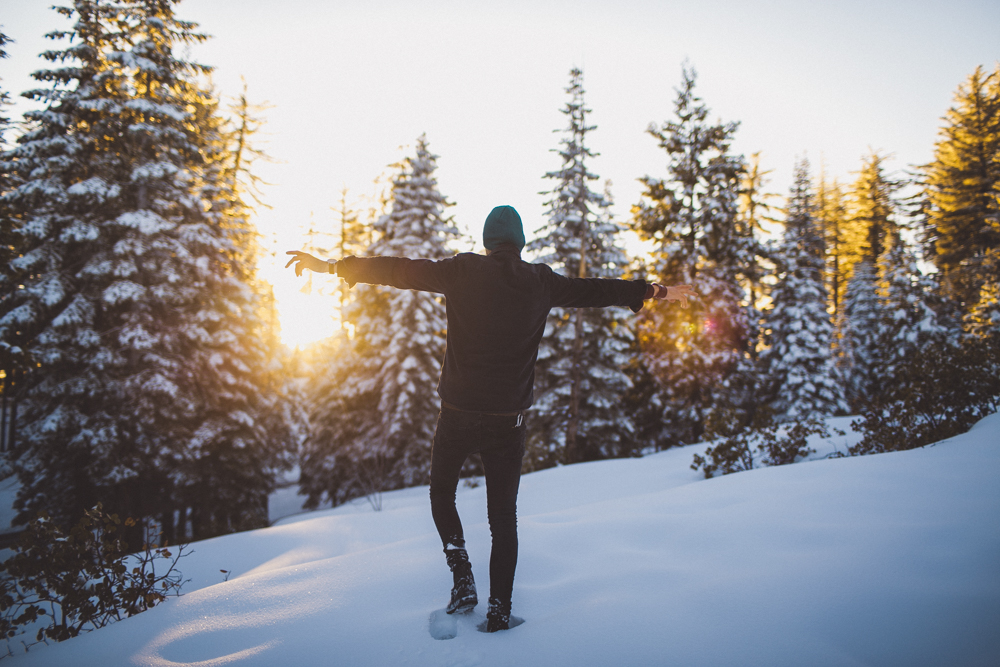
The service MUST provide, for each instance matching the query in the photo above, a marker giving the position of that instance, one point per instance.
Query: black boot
(463, 593)
(498, 616)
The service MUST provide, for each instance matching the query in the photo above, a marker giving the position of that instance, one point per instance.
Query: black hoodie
(497, 306)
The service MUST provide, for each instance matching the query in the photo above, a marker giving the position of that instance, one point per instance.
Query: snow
(892, 559)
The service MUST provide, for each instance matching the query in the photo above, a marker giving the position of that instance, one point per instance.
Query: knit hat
(503, 225)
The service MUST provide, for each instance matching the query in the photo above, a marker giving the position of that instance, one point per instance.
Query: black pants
(500, 442)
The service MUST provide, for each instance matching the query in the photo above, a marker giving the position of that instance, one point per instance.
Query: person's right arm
(416, 274)
(671, 293)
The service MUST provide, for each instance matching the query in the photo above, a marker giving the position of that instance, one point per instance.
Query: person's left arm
(597, 292)
(603, 292)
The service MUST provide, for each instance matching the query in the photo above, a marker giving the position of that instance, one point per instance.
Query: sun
(306, 320)
(308, 309)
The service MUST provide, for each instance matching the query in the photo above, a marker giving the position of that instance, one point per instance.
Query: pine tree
(831, 213)
(4, 102)
(755, 210)
(984, 318)
(798, 360)
(909, 323)
(962, 190)
(871, 223)
(351, 237)
(135, 305)
(872, 209)
(373, 421)
(692, 220)
(860, 329)
(11, 358)
(245, 422)
(4, 95)
(59, 161)
(580, 378)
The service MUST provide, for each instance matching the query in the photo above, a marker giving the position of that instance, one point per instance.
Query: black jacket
(497, 306)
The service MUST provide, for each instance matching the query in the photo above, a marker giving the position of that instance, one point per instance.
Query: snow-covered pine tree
(692, 220)
(870, 222)
(909, 323)
(580, 378)
(373, 420)
(7, 236)
(4, 125)
(11, 362)
(130, 287)
(798, 362)
(859, 328)
(245, 419)
(68, 179)
(743, 385)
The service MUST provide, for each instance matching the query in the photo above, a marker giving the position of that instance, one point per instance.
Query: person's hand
(304, 260)
(673, 293)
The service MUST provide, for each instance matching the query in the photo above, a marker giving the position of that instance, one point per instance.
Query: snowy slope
(880, 560)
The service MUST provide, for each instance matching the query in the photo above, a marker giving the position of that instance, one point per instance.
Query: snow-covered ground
(879, 560)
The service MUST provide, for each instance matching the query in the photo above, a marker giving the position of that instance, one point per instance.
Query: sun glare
(305, 318)
(307, 306)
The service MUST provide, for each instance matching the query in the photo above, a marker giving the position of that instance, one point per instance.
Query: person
(497, 306)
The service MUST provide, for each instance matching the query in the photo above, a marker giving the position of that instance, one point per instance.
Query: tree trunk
(3, 416)
(573, 453)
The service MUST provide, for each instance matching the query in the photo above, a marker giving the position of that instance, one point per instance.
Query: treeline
(138, 348)
(830, 315)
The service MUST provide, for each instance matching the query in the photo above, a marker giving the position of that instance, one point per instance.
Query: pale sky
(352, 82)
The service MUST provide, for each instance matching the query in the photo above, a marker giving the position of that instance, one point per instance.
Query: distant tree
(962, 191)
(860, 328)
(351, 238)
(4, 102)
(754, 211)
(374, 416)
(872, 208)
(692, 220)
(322, 241)
(909, 323)
(4, 95)
(831, 212)
(935, 384)
(581, 381)
(12, 361)
(802, 377)
(984, 318)
(871, 222)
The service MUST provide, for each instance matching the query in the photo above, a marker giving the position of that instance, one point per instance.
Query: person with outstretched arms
(497, 305)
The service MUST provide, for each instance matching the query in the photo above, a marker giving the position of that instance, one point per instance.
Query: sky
(353, 84)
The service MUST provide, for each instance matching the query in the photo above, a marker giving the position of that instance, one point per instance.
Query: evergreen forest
(140, 358)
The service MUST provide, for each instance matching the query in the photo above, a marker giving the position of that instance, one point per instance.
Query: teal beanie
(503, 225)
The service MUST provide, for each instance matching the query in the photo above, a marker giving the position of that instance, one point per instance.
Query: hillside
(891, 559)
